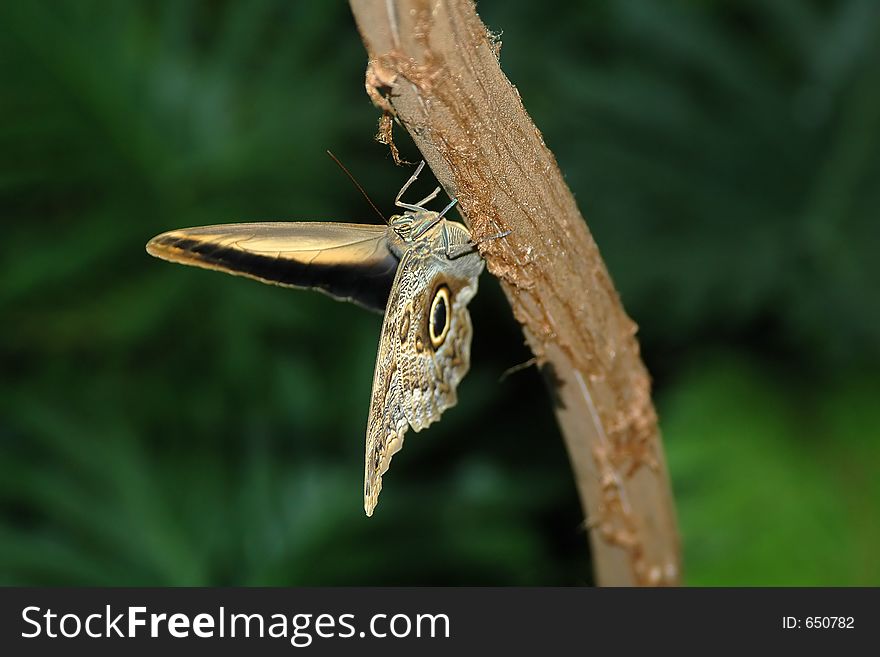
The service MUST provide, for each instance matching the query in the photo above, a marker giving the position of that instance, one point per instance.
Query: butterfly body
(421, 269)
(424, 349)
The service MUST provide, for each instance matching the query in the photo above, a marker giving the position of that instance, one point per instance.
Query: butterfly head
(412, 226)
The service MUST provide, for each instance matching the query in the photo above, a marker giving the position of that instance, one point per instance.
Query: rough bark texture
(434, 67)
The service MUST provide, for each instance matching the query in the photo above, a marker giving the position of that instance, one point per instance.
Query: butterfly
(421, 269)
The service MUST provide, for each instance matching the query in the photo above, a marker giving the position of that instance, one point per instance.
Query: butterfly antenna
(358, 185)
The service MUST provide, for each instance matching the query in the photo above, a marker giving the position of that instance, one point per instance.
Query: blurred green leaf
(775, 484)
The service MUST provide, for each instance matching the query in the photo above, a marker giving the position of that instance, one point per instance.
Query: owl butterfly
(421, 269)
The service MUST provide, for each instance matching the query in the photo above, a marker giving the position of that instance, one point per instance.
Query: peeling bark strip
(434, 66)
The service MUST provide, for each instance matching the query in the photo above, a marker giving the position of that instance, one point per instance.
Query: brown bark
(434, 66)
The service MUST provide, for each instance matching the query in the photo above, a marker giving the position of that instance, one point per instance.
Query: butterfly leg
(453, 252)
(458, 250)
(406, 186)
(433, 221)
(497, 236)
(429, 197)
(414, 207)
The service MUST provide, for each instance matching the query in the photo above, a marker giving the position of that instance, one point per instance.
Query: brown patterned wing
(350, 262)
(424, 352)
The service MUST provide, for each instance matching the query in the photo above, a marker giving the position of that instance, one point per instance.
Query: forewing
(350, 262)
(416, 380)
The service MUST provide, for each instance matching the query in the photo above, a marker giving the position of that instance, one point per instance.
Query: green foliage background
(161, 425)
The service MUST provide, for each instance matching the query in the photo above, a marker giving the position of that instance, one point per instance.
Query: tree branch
(434, 67)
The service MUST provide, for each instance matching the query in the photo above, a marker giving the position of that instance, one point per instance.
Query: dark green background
(165, 425)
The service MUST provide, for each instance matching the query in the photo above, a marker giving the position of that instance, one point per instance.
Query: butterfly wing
(350, 262)
(424, 351)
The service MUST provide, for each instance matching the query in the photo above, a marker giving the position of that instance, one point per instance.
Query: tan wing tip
(151, 246)
(373, 479)
(158, 247)
(166, 246)
(372, 499)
